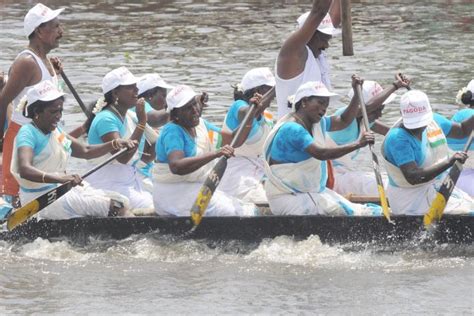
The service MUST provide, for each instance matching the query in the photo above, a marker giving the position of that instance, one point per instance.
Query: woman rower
(40, 157)
(112, 122)
(349, 178)
(185, 156)
(465, 98)
(296, 154)
(416, 157)
(244, 173)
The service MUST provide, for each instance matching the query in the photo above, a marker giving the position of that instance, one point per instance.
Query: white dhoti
(417, 200)
(122, 179)
(357, 182)
(243, 179)
(78, 202)
(178, 198)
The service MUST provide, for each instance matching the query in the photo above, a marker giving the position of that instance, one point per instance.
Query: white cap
(150, 81)
(43, 91)
(38, 15)
(416, 109)
(325, 26)
(312, 88)
(369, 90)
(117, 77)
(179, 96)
(470, 86)
(257, 77)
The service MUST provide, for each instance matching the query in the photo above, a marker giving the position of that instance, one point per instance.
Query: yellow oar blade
(436, 210)
(200, 205)
(383, 202)
(22, 214)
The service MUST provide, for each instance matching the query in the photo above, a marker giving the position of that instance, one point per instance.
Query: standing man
(302, 58)
(31, 66)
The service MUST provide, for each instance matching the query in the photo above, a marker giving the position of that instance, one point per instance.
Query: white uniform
(175, 194)
(297, 189)
(79, 201)
(245, 172)
(315, 69)
(17, 115)
(406, 198)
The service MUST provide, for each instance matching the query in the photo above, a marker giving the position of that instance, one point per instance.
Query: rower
(185, 155)
(416, 157)
(244, 174)
(302, 57)
(349, 178)
(296, 154)
(113, 121)
(152, 88)
(31, 66)
(41, 154)
(464, 98)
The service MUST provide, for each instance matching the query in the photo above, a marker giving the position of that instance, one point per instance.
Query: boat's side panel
(453, 229)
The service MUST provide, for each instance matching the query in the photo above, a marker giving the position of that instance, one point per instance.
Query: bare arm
(181, 165)
(416, 175)
(463, 129)
(325, 153)
(22, 74)
(29, 172)
(335, 13)
(292, 56)
(157, 118)
(380, 128)
(80, 150)
(339, 122)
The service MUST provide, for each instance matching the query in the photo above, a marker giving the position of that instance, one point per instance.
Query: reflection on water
(210, 45)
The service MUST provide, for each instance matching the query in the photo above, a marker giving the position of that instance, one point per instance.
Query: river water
(210, 45)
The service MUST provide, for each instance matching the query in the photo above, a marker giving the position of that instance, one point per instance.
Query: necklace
(299, 120)
(114, 109)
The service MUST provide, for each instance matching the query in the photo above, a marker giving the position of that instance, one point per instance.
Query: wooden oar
(76, 96)
(442, 196)
(215, 176)
(375, 160)
(25, 212)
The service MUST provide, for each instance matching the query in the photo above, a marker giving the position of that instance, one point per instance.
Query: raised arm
(335, 13)
(339, 122)
(463, 129)
(292, 55)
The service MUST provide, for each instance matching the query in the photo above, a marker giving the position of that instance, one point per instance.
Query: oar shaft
(241, 127)
(74, 93)
(111, 158)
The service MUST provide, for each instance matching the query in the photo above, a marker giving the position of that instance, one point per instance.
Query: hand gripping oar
(215, 176)
(76, 96)
(375, 160)
(441, 199)
(25, 212)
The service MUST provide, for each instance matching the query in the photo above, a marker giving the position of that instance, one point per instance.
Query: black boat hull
(452, 228)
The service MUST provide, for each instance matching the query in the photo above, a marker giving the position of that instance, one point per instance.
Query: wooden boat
(457, 229)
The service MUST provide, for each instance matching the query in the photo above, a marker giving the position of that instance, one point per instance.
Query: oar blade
(383, 202)
(441, 199)
(22, 214)
(207, 190)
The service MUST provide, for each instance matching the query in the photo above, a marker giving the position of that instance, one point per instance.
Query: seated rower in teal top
(296, 152)
(41, 154)
(350, 176)
(244, 174)
(416, 156)
(185, 156)
(113, 121)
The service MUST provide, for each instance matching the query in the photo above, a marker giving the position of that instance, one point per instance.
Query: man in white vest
(302, 58)
(31, 66)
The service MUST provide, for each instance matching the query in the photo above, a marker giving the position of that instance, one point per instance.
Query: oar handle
(76, 96)
(365, 117)
(114, 156)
